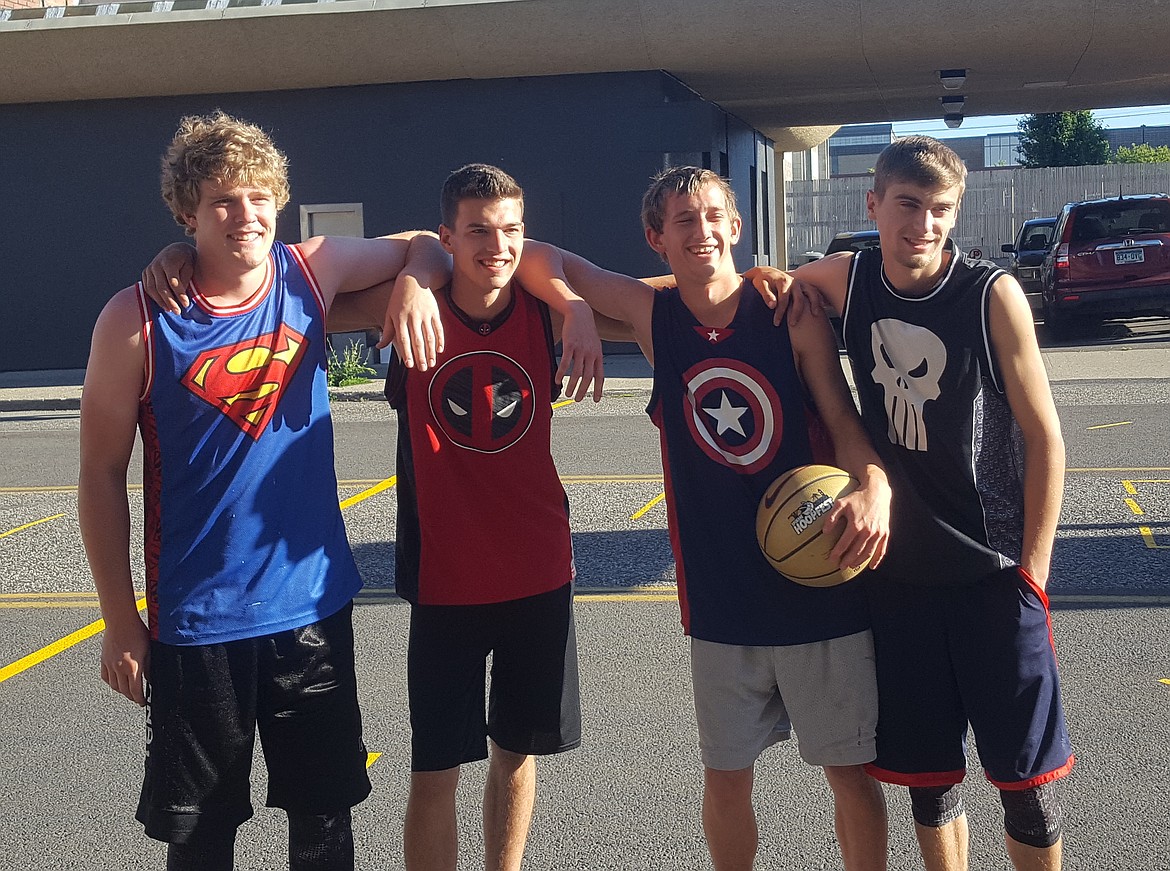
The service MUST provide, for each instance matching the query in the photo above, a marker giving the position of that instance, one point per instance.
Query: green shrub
(349, 368)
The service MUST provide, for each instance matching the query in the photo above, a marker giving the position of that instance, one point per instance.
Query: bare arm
(109, 416)
(617, 297)
(608, 329)
(412, 318)
(346, 264)
(403, 308)
(815, 286)
(866, 511)
(1013, 340)
(341, 264)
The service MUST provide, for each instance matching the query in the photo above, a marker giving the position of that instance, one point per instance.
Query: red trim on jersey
(1038, 780)
(240, 308)
(310, 277)
(930, 778)
(672, 526)
(152, 509)
(147, 342)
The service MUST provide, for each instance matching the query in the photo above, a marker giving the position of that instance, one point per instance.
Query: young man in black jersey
(955, 398)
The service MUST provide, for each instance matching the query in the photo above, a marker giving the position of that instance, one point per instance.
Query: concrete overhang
(777, 65)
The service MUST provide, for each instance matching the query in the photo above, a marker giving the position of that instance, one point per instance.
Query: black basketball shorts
(204, 706)
(534, 706)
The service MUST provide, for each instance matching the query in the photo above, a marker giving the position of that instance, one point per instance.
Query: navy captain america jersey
(732, 416)
(482, 516)
(934, 407)
(243, 534)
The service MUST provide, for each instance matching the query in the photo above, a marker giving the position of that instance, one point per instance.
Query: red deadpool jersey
(482, 515)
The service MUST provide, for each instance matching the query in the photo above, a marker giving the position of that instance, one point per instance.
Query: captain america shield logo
(733, 414)
(482, 401)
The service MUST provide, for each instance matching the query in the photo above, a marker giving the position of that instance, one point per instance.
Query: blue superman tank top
(244, 535)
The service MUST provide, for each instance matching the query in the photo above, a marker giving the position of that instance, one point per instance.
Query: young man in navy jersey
(249, 577)
(768, 656)
(954, 396)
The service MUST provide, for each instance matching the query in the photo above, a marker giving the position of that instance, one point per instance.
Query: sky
(1133, 116)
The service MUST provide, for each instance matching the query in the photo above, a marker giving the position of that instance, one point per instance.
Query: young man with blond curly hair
(249, 577)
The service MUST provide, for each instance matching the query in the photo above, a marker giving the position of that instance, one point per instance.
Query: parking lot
(70, 751)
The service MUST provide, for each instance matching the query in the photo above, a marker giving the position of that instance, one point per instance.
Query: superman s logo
(245, 380)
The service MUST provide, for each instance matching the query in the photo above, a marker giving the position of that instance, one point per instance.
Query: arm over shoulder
(829, 276)
(616, 296)
(344, 264)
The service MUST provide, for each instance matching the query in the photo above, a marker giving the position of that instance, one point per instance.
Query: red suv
(1111, 259)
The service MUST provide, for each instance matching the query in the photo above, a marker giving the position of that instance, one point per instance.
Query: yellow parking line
(372, 491)
(98, 625)
(640, 593)
(611, 479)
(371, 758)
(647, 506)
(1145, 532)
(1117, 469)
(51, 650)
(29, 525)
(64, 488)
(1110, 425)
(1165, 680)
(1147, 535)
(631, 597)
(90, 593)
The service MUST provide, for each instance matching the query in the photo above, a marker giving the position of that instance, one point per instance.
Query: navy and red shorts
(981, 654)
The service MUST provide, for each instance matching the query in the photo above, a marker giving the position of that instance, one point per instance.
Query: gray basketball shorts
(748, 698)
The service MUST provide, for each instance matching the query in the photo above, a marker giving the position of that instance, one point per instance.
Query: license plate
(1136, 255)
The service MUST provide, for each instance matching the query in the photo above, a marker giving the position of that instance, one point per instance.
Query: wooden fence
(997, 201)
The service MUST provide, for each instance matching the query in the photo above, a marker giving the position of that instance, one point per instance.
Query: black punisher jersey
(934, 407)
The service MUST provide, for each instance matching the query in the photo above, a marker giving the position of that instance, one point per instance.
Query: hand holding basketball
(817, 527)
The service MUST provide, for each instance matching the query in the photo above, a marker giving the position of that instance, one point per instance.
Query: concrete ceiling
(775, 64)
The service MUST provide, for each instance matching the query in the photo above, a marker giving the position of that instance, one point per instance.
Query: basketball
(790, 524)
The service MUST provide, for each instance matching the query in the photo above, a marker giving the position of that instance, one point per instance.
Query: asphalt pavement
(629, 798)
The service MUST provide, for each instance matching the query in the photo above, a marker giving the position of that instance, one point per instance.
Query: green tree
(1063, 139)
(1142, 153)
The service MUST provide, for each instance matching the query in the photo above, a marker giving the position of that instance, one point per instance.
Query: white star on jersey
(713, 335)
(726, 415)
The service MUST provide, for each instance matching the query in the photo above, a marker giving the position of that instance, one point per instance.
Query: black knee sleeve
(1033, 816)
(203, 852)
(935, 806)
(320, 842)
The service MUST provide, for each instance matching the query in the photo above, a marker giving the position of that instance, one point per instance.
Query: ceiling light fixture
(952, 80)
(952, 104)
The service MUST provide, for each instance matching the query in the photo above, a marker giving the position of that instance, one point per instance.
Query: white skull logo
(908, 362)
